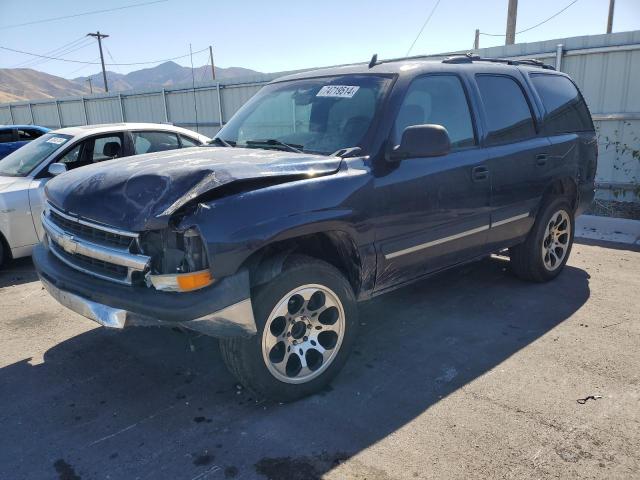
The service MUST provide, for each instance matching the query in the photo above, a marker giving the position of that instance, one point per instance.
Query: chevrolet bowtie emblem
(69, 244)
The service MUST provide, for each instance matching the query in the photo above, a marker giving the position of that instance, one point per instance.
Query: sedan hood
(5, 182)
(142, 192)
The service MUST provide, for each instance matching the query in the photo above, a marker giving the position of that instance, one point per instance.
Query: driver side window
(93, 150)
(439, 100)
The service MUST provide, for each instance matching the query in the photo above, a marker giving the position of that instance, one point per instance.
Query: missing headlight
(178, 260)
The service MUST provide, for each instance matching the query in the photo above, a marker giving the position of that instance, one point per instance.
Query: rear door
(517, 154)
(431, 212)
(568, 125)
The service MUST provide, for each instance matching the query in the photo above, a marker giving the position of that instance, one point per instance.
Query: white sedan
(24, 172)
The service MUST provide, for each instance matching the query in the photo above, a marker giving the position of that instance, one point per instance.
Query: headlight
(178, 260)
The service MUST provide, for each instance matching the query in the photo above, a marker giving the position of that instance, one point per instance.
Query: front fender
(237, 226)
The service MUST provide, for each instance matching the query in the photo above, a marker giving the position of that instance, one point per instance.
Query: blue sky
(282, 35)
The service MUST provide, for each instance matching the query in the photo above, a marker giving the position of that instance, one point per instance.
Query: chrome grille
(97, 250)
(105, 269)
(87, 232)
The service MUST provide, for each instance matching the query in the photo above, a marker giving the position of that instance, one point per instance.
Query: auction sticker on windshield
(57, 140)
(339, 91)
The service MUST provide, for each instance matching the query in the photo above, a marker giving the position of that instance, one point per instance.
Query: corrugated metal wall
(606, 67)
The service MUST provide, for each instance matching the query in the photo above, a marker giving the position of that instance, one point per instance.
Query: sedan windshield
(21, 162)
(321, 115)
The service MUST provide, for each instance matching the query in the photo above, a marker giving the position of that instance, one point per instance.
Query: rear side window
(440, 100)
(507, 110)
(149, 142)
(566, 109)
(188, 142)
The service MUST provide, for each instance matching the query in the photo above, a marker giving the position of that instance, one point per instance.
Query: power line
(80, 14)
(36, 62)
(98, 63)
(55, 51)
(423, 25)
(534, 26)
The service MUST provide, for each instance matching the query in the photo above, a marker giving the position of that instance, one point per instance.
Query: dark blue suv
(326, 188)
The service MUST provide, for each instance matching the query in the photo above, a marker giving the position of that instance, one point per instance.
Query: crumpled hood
(140, 193)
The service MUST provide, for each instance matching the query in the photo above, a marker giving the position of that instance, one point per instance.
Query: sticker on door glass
(338, 91)
(57, 140)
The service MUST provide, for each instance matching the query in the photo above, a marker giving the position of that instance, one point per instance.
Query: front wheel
(546, 250)
(306, 319)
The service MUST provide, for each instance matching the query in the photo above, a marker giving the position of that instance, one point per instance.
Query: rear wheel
(546, 250)
(306, 318)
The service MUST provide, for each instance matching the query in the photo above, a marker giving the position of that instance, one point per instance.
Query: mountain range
(18, 84)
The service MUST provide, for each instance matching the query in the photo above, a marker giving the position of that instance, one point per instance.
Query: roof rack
(469, 58)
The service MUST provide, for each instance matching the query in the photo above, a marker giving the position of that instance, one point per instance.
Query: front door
(432, 212)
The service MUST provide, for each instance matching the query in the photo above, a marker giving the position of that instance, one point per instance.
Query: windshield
(321, 115)
(21, 162)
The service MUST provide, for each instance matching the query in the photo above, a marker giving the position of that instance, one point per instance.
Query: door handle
(541, 159)
(479, 173)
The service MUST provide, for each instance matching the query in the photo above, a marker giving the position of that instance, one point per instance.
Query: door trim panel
(510, 219)
(415, 248)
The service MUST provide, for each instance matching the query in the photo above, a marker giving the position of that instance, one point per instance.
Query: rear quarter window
(566, 110)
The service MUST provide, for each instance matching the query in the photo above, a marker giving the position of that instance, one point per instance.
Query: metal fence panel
(21, 114)
(103, 110)
(144, 108)
(46, 114)
(72, 113)
(5, 115)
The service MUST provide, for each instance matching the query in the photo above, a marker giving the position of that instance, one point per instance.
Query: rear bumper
(222, 310)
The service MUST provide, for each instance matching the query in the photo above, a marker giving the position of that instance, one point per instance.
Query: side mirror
(422, 141)
(57, 168)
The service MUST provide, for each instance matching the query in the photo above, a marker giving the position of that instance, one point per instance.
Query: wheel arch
(565, 186)
(335, 247)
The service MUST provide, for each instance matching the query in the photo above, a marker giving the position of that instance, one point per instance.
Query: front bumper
(222, 310)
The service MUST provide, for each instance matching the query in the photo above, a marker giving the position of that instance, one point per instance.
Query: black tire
(527, 260)
(4, 257)
(244, 356)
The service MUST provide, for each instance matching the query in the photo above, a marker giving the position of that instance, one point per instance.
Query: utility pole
(90, 85)
(213, 71)
(100, 36)
(476, 42)
(610, 19)
(512, 13)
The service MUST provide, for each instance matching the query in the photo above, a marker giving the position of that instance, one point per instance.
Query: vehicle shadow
(17, 272)
(151, 403)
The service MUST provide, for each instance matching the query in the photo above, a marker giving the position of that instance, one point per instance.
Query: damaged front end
(179, 261)
(158, 277)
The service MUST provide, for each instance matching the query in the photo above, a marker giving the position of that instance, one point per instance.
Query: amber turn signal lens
(193, 281)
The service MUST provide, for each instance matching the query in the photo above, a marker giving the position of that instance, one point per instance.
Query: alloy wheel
(303, 334)
(555, 243)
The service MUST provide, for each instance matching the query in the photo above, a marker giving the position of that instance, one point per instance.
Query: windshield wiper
(292, 147)
(221, 141)
(347, 152)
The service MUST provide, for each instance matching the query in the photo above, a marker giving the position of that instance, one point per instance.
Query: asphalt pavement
(469, 374)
